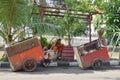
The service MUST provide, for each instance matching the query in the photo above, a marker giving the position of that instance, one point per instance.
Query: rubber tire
(97, 65)
(29, 66)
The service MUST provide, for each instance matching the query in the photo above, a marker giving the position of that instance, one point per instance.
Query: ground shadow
(52, 70)
(64, 70)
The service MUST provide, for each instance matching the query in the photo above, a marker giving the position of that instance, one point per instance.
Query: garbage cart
(25, 54)
(91, 55)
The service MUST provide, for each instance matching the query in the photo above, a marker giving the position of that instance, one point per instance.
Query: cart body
(21, 52)
(92, 55)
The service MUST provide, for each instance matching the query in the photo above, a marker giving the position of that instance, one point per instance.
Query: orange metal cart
(25, 54)
(90, 55)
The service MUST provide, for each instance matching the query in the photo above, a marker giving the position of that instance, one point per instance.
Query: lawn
(115, 55)
(1, 53)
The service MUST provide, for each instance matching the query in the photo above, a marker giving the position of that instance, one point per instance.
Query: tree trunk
(8, 42)
(4, 56)
(69, 40)
(69, 37)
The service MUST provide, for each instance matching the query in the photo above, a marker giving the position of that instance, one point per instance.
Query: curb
(4, 65)
(111, 63)
(66, 64)
(52, 64)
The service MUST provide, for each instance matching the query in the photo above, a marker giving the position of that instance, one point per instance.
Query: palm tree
(70, 25)
(12, 18)
(12, 14)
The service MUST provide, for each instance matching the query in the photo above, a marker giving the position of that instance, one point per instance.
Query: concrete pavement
(61, 73)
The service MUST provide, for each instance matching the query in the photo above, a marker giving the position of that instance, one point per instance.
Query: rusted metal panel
(22, 46)
(21, 51)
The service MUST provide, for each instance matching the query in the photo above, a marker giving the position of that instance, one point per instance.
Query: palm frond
(18, 34)
(45, 28)
(11, 11)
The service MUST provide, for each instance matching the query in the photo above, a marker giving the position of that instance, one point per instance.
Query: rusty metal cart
(91, 55)
(25, 54)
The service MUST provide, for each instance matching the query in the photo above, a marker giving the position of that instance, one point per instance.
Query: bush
(44, 41)
(3, 59)
(50, 44)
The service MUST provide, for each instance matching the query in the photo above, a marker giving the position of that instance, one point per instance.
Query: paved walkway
(62, 73)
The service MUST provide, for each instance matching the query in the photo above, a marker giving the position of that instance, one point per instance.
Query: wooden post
(89, 22)
(41, 11)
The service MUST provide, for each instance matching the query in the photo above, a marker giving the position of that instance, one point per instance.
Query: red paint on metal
(88, 59)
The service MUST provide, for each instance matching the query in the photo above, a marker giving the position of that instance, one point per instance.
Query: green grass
(114, 55)
(1, 53)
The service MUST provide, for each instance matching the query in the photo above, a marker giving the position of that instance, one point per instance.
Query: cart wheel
(29, 64)
(97, 64)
